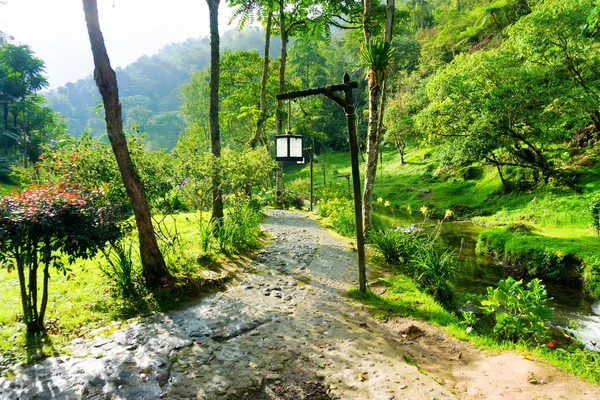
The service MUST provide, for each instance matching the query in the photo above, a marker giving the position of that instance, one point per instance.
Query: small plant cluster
(513, 312)
(239, 230)
(594, 208)
(41, 225)
(420, 257)
(336, 204)
(289, 198)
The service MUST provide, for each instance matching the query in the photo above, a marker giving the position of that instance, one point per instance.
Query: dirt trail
(284, 331)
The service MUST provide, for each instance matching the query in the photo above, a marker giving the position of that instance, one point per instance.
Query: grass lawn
(82, 300)
(6, 188)
(559, 217)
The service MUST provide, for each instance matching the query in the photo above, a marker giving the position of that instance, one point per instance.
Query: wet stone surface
(284, 332)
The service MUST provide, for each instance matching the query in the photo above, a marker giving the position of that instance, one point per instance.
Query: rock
(272, 377)
(97, 381)
(412, 332)
(461, 387)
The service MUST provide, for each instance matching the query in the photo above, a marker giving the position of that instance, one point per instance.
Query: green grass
(560, 218)
(403, 298)
(82, 301)
(6, 188)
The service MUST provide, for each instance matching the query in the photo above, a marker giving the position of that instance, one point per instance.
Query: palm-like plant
(377, 55)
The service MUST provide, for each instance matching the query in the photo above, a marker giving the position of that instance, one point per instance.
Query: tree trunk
(352, 141)
(260, 124)
(376, 110)
(367, 20)
(154, 269)
(280, 112)
(504, 186)
(27, 316)
(213, 113)
(44, 294)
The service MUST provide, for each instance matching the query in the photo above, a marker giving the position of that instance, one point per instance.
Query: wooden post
(311, 178)
(352, 139)
(347, 103)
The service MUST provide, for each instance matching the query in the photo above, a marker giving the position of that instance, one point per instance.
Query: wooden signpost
(347, 103)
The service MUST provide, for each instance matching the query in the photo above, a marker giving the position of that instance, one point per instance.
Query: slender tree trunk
(154, 269)
(352, 141)
(44, 294)
(280, 112)
(377, 100)
(27, 316)
(499, 168)
(372, 156)
(213, 113)
(367, 20)
(260, 124)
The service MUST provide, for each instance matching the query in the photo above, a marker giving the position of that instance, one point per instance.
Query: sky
(56, 31)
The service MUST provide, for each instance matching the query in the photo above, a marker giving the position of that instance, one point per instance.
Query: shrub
(289, 198)
(392, 244)
(39, 226)
(514, 312)
(435, 270)
(240, 228)
(122, 269)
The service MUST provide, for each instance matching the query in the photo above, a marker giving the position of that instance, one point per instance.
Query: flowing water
(573, 309)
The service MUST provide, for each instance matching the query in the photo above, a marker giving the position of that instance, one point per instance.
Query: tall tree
(309, 18)
(258, 138)
(377, 55)
(213, 112)
(21, 77)
(154, 269)
(247, 11)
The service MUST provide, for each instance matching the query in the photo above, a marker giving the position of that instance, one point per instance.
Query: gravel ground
(285, 331)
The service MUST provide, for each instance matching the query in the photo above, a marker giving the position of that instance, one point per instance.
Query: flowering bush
(43, 223)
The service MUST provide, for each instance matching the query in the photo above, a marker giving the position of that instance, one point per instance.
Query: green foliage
(240, 228)
(206, 231)
(26, 123)
(289, 198)
(123, 270)
(377, 56)
(336, 205)
(435, 270)
(594, 208)
(514, 312)
(40, 225)
(402, 297)
(392, 244)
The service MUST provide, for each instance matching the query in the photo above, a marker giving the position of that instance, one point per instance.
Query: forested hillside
(149, 88)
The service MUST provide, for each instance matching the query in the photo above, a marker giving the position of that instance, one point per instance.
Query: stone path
(285, 332)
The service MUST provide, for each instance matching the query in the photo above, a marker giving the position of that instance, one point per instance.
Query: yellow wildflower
(386, 204)
(449, 213)
(380, 199)
(408, 209)
(424, 210)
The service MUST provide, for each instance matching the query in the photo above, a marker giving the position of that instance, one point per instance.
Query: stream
(573, 309)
